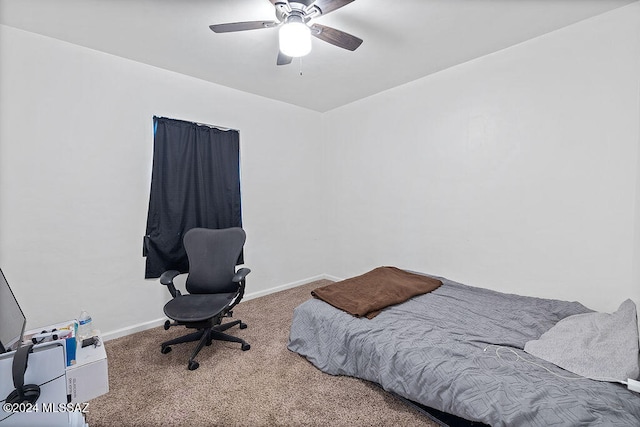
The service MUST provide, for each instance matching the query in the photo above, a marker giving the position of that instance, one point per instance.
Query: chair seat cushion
(197, 307)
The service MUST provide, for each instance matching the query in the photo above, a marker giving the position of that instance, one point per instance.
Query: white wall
(517, 171)
(75, 162)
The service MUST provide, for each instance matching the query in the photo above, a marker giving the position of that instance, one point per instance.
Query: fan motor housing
(296, 7)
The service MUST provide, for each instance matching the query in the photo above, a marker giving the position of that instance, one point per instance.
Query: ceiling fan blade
(327, 6)
(283, 59)
(242, 26)
(336, 37)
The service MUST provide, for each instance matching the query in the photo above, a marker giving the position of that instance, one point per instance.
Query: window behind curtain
(195, 182)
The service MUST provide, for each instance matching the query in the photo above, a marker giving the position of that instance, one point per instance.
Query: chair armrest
(240, 275)
(167, 280)
(239, 279)
(168, 276)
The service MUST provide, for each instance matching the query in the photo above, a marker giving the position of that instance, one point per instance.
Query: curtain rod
(222, 128)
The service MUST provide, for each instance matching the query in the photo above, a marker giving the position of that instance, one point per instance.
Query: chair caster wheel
(243, 325)
(193, 365)
(167, 324)
(245, 347)
(165, 350)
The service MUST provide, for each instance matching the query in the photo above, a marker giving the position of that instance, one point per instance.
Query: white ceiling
(403, 39)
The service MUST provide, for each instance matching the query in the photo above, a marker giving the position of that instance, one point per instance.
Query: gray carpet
(265, 386)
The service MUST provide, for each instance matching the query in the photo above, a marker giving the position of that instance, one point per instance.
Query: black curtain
(195, 182)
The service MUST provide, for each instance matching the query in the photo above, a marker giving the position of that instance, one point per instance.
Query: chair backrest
(212, 259)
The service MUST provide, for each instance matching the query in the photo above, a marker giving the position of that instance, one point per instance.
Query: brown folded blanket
(368, 294)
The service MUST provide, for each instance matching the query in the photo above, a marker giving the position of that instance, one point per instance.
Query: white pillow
(599, 346)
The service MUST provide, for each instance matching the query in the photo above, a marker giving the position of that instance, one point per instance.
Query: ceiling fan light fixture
(295, 39)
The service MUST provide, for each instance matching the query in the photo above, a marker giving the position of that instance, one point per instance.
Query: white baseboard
(159, 322)
(332, 278)
(297, 283)
(133, 329)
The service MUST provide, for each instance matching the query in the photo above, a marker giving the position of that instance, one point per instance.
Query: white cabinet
(45, 368)
(64, 389)
(89, 377)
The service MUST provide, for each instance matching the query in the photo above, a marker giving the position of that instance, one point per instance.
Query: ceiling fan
(293, 18)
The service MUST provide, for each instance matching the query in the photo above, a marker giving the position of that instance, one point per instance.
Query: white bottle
(85, 328)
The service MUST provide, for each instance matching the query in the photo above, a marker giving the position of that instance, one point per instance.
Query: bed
(459, 349)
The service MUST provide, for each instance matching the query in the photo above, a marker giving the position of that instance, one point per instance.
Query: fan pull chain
(300, 58)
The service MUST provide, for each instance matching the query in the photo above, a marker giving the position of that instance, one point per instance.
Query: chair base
(205, 336)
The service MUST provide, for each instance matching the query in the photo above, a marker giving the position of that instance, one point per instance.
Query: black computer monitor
(12, 320)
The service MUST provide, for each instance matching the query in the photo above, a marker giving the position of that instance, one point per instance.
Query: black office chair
(214, 289)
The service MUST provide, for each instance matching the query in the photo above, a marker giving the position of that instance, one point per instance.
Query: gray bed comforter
(458, 349)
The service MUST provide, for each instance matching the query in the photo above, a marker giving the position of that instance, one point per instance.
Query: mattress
(459, 349)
